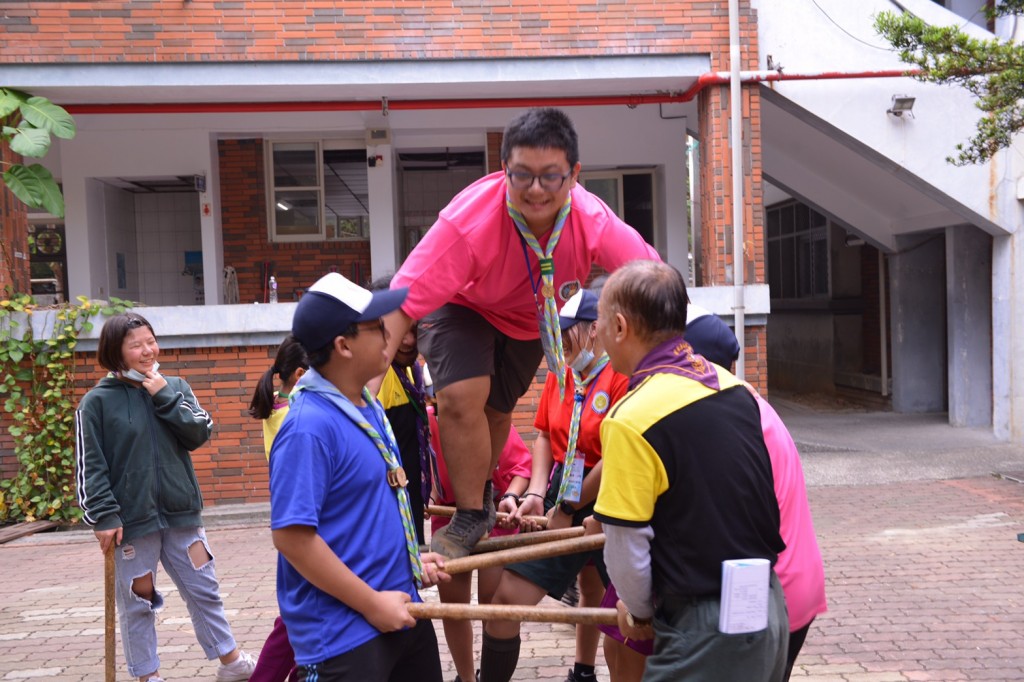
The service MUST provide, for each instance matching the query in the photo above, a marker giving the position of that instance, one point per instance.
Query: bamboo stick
(473, 562)
(523, 539)
(110, 650)
(437, 510)
(532, 614)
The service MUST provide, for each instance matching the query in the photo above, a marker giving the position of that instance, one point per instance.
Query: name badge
(575, 487)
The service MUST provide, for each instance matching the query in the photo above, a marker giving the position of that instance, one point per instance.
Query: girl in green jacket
(138, 490)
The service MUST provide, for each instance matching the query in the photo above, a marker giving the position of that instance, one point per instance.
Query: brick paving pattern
(924, 583)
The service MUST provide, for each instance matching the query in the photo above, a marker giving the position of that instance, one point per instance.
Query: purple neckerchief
(416, 393)
(675, 356)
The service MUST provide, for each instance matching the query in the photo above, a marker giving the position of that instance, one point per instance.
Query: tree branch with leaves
(992, 70)
(26, 126)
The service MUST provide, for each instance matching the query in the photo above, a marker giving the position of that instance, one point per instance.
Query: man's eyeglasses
(549, 182)
(372, 325)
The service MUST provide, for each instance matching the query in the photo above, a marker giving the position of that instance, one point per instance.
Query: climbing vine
(37, 383)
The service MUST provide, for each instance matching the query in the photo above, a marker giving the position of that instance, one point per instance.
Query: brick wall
(247, 247)
(44, 31)
(14, 259)
(715, 172)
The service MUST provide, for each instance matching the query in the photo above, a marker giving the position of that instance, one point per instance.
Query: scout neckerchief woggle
(313, 381)
(550, 333)
(570, 474)
(416, 393)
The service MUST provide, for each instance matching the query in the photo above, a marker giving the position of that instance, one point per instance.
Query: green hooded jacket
(133, 467)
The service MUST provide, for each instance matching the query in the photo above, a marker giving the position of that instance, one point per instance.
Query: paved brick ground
(924, 583)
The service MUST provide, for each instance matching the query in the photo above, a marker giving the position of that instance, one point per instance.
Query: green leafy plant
(992, 70)
(37, 382)
(26, 124)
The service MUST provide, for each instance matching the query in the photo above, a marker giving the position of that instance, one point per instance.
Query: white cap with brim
(333, 304)
(581, 307)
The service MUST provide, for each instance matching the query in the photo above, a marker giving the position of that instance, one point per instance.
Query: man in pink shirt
(506, 252)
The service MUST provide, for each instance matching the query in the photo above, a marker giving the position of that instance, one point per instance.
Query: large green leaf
(10, 100)
(42, 113)
(33, 142)
(50, 197)
(24, 185)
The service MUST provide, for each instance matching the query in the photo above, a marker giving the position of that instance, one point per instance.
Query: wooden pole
(532, 614)
(523, 539)
(473, 562)
(436, 510)
(109, 614)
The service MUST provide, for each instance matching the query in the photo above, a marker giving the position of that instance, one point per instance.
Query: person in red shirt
(564, 483)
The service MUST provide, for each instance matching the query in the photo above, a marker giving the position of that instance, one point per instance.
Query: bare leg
(513, 589)
(624, 664)
(588, 636)
(466, 438)
(459, 633)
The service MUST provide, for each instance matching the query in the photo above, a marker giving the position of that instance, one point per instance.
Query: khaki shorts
(460, 344)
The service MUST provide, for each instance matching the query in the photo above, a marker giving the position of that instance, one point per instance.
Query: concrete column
(382, 179)
(918, 296)
(1008, 338)
(969, 321)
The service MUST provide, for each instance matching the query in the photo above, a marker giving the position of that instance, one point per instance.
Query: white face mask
(136, 375)
(582, 359)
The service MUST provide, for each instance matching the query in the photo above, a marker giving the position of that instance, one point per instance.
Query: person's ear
(297, 374)
(622, 328)
(341, 347)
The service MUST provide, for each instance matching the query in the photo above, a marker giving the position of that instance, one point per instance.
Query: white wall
(168, 226)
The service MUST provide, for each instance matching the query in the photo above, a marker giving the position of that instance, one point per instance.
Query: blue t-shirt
(325, 472)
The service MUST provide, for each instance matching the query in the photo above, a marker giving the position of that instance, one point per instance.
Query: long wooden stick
(109, 614)
(473, 562)
(532, 614)
(436, 510)
(524, 539)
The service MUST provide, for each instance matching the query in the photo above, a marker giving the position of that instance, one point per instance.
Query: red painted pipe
(704, 81)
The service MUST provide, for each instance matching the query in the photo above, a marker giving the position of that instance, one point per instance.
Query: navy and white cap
(334, 304)
(582, 307)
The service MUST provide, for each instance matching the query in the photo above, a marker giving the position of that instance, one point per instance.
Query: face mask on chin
(582, 359)
(136, 375)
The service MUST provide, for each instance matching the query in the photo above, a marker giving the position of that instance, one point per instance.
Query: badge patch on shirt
(600, 402)
(568, 290)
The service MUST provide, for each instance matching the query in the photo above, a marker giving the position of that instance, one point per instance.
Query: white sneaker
(237, 670)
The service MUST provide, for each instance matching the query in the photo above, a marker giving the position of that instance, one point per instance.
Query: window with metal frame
(318, 190)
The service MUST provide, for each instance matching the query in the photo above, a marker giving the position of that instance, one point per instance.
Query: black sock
(499, 658)
(582, 671)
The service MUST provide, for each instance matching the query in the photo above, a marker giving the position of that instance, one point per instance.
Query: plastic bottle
(273, 289)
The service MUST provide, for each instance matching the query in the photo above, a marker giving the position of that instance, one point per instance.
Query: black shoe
(455, 540)
(572, 595)
(573, 677)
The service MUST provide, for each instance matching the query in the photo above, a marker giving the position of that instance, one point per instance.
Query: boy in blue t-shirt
(340, 513)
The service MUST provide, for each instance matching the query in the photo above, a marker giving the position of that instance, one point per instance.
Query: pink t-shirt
(473, 256)
(799, 566)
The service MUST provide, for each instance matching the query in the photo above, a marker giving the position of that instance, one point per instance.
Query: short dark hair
(112, 338)
(542, 129)
(651, 295)
(319, 357)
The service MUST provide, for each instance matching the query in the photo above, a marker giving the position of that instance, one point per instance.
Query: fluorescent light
(284, 205)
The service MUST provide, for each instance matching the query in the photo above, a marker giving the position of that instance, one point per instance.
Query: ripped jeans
(197, 586)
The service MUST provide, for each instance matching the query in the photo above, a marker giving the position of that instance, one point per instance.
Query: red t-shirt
(554, 417)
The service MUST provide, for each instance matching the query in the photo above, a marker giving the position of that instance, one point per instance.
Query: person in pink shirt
(799, 567)
(486, 283)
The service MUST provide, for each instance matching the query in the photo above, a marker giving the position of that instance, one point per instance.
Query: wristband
(512, 495)
(533, 495)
